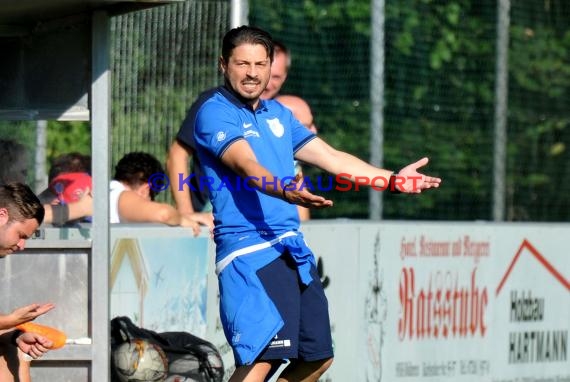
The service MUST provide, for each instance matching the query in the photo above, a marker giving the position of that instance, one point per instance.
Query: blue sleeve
(300, 135)
(217, 128)
(186, 132)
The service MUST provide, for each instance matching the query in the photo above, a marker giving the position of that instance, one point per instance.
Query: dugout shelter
(55, 65)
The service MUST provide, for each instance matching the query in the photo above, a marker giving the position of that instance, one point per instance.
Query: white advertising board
(159, 278)
(446, 302)
(409, 301)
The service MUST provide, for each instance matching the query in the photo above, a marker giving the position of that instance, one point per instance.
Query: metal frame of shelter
(56, 65)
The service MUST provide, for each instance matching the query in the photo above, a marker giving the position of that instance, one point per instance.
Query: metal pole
(501, 99)
(40, 181)
(239, 13)
(376, 102)
(99, 259)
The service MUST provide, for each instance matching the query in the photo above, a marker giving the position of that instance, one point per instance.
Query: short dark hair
(70, 162)
(21, 203)
(246, 35)
(136, 168)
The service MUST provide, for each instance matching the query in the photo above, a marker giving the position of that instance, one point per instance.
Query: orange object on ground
(56, 336)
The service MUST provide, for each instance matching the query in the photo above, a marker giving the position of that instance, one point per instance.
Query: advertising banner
(159, 278)
(446, 302)
(409, 301)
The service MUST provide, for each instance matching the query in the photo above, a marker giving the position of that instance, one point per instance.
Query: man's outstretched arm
(242, 160)
(319, 153)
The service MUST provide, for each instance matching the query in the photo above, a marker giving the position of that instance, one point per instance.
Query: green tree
(439, 77)
(539, 113)
(67, 136)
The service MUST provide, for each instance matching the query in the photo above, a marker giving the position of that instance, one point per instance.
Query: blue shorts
(306, 334)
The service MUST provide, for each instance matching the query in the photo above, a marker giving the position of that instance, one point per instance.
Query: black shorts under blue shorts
(306, 334)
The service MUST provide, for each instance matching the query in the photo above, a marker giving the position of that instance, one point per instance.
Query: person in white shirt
(132, 194)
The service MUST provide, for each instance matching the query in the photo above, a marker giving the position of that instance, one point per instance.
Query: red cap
(69, 187)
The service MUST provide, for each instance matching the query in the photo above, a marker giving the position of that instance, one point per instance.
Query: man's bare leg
(251, 373)
(13, 368)
(301, 371)
(24, 367)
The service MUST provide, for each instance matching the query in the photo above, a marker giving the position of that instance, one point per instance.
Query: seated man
(68, 199)
(21, 213)
(132, 197)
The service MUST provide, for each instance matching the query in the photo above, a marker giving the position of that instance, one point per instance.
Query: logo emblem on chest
(276, 127)
(220, 136)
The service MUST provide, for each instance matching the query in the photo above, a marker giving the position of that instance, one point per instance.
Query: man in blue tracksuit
(272, 304)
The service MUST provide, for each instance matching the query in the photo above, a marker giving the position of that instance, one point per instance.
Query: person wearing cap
(68, 197)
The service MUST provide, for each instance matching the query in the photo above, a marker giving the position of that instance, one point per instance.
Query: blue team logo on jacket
(276, 127)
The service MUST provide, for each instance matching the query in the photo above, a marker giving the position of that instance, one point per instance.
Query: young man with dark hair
(272, 303)
(132, 194)
(194, 202)
(21, 213)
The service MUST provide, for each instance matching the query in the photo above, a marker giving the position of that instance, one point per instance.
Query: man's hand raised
(409, 180)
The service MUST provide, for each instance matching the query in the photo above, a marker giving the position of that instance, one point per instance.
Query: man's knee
(303, 370)
(9, 363)
(324, 365)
